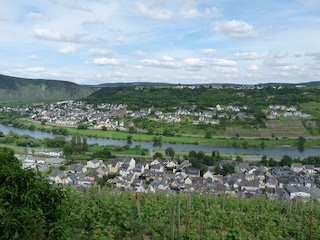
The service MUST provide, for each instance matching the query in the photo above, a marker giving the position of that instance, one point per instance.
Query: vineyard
(95, 215)
(32, 208)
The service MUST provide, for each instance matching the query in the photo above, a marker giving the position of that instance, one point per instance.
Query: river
(268, 151)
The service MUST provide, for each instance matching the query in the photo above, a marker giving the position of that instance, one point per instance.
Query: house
(127, 166)
(92, 175)
(249, 177)
(95, 163)
(112, 166)
(57, 176)
(299, 192)
(172, 164)
(192, 172)
(250, 185)
(297, 167)
(156, 161)
(188, 181)
(271, 183)
(139, 169)
(157, 167)
(309, 169)
(77, 168)
(260, 173)
(208, 175)
(244, 167)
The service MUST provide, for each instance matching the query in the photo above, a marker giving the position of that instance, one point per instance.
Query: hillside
(13, 89)
(202, 97)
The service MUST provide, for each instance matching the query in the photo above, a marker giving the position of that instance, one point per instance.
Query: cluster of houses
(276, 111)
(169, 176)
(71, 113)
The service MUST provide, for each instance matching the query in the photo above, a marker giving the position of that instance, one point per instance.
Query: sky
(171, 41)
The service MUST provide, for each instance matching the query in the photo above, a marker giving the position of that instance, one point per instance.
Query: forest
(203, 97)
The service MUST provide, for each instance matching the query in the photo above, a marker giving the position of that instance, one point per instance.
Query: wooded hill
(202, 97)
(13, 89)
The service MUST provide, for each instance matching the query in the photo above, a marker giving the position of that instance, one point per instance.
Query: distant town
(111, 116)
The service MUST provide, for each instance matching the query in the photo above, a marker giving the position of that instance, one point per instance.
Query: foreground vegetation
(31, 208)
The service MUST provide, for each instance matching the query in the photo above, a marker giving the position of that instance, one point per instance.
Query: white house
(297, 192)
(95, 163)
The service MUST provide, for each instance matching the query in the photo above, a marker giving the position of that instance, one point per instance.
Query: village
(112, 116)
(171, 177)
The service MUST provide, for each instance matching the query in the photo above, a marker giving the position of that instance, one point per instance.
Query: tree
(170, 151)
(31, 208)
(301, 141)
(208, 134)
(239, 159)
(216, 155)
(227, 168)
(157, 141)
(67, 149)
(129, 139)
(272, 162)
(286, 161)
(158, 155)
(264, 161)
(84, 144)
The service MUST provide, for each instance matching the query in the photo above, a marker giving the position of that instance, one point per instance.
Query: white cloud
(36, 69)
(163, 62)
(315, 55)
(45, 34)
(33, 57)
(100, 52)
(278, 54)
(189, 12)
(223, 62)
(107, 61)
(207, 51)
(248, 56)
(70, 4)
(67, 50)
(155, 10)
(234, 29)
(195, 63)
(34, 15)
(252, 67)
(93, 23)
(139, 53)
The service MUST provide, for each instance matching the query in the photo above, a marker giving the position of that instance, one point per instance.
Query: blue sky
(174, 41)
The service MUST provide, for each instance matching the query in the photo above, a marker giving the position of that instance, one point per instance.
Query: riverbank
(239, 141)
(280, 151)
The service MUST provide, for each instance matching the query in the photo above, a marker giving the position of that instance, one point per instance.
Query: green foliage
(301, 141)
(30, 208)
(67, 149)
(105, 215)
(57, 142)
(227, 168)
(285, 161)
(158, 155)
(170, 151)
(157, 141)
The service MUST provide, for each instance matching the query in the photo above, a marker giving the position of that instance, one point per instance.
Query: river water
(273, 151)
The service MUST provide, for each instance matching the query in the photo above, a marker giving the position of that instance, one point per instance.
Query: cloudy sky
(174, 41)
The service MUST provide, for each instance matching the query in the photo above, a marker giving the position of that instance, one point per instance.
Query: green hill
(202, 97)
(13, 89)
